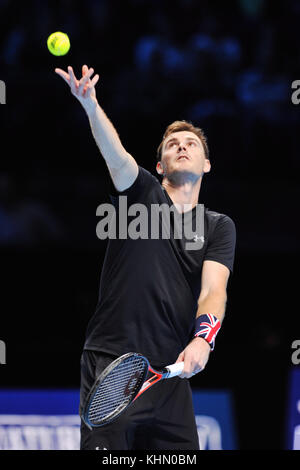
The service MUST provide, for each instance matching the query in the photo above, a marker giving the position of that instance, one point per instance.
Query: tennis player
(156, 297)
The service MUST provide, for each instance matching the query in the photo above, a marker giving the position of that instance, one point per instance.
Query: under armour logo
(99, 448)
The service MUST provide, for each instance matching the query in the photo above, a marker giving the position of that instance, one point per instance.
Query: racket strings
(117, 389)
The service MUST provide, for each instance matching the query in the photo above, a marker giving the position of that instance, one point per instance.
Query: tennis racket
(119, 385)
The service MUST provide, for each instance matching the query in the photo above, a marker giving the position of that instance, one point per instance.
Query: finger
(180, 358)
(186, 369)
(73, 80)
(90, 86)
(197, 370)
(84, 86)
(88, 91)
(63, 75)
(190, 372)
(84, 80)
(95, 80)
(92, 83)
(192, 368)
(84, 69)
(185, 375)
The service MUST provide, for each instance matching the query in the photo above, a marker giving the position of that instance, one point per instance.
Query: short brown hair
(178, 126)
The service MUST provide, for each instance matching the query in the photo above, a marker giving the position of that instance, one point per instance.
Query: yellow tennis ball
(58, 43)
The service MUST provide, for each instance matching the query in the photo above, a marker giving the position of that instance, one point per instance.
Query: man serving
(156, 296)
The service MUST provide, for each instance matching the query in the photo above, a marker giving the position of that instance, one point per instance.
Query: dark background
(227, 67)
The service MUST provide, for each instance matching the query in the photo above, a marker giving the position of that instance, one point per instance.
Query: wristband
(207, 327)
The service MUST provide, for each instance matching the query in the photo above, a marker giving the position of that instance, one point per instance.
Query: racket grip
(175, 369)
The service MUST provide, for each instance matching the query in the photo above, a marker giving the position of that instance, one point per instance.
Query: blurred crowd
(225, 67)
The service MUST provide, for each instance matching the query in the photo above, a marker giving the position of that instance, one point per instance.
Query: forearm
(107, 138)
(196, 354)
(214, 303)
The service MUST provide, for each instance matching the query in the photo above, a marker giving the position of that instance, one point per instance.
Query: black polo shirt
(149, 288)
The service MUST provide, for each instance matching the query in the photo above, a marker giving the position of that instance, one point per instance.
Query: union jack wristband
(207, 327)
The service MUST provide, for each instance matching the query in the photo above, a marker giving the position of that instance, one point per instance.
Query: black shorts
(160, 419)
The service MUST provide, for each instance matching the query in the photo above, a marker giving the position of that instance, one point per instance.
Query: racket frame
(168, 371)
(101, 378)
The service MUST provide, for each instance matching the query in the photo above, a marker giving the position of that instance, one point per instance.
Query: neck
(184, 191)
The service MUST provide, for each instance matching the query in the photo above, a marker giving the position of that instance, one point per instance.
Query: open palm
(83, 89)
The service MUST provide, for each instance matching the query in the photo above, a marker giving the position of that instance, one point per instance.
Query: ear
(207, 166)
(159, 168)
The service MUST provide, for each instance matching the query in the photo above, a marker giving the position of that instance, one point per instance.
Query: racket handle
(175, 369)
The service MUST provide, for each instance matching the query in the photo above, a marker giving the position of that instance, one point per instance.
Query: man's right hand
(83, 89)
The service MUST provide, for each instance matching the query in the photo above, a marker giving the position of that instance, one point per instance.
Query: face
(183, 152)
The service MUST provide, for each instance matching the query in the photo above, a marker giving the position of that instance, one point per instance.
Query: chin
(182, 176)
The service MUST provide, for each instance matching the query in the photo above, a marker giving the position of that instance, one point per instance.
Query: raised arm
(122, 166)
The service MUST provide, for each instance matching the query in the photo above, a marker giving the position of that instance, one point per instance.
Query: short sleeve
(221, 245)
(137, 190)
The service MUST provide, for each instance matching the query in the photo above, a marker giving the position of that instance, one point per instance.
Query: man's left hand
(194, 356)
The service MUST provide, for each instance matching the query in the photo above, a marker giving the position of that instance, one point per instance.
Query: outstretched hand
(83, 89)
